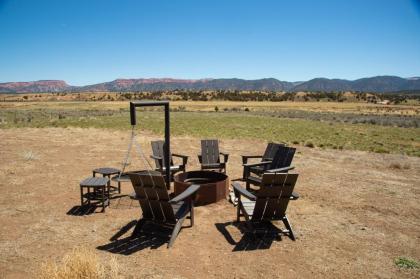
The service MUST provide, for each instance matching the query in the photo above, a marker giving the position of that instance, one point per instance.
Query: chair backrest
(270, 151)
(158, 150)
(283, 157)
(273, 196)
(150, 188)
(210, 152)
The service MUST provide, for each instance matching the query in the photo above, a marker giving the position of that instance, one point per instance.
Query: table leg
(88, 195)
(103, 198)
(108, 185)
(81, 195)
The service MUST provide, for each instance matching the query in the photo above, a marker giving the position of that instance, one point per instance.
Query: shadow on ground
(81, 210)
(261, 238)
(151, 236)
(116, 202)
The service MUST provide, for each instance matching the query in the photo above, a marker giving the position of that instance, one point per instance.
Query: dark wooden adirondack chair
(150, 191)
(269, 203)
(158, 156)
(268, 155)
(281, 163)
(210, 156)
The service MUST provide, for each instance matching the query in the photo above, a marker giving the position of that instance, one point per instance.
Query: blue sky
(88, 41)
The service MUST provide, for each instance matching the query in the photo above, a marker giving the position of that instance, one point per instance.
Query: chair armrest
(241, 191)
(285, 169)
(246, 157)
(179, 155)
(257, 164)
(156, 157)
(225, 156)
(186, 194)
(184, 158)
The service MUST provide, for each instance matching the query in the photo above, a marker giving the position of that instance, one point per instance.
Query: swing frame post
(167, 145)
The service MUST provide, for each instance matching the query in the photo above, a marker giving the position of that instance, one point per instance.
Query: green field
(240, 125)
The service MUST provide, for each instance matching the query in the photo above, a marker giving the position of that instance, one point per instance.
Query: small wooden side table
(97, 190)
(107, 172)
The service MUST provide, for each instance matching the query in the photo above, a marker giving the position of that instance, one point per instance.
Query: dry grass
(255, 106)
(354, 218)
(29, 155)
(81, 263)
(399, 165)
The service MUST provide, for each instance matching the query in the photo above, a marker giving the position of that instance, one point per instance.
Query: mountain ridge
(378, 84)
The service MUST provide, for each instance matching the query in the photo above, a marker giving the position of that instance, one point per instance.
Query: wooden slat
(210, 152)
(151, 191)
(270, 151)
(94, 181)
(158, 150)
(274, 196)
(283, 157)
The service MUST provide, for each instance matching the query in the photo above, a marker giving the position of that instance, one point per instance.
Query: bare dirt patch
(356, 215)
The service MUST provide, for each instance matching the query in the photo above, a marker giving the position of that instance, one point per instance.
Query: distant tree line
(244, 96)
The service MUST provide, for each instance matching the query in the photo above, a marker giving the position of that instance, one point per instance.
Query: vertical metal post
(167, 145)
(132, 114)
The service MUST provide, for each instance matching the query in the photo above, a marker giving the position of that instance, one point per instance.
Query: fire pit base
(214, 185)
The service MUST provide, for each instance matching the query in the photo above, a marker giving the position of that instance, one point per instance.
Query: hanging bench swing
(123, 176)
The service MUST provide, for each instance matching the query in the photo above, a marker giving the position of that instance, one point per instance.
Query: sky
(91, 41)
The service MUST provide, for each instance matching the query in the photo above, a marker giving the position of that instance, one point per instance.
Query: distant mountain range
(380, 84)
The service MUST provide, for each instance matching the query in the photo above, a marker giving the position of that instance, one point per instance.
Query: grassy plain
(319, 124)
(348, 198)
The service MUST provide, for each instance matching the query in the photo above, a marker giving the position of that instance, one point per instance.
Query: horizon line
(208, 79)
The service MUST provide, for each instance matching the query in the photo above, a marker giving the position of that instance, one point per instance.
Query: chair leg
(139, 225)
(103, 198)
(175, 231)
(238, 212)
(192, 213)
(289, 228)
(81, 195)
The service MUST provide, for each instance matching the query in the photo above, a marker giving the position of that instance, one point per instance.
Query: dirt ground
(356, 214)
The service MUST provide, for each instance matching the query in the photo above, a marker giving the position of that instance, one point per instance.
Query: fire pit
(214, 185)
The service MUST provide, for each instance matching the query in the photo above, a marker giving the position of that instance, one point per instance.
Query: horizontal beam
(149, 103)
(135, 104)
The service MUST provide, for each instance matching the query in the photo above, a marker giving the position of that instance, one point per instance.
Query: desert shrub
(406, 166)
(30, 155)
(246, 109)
(216, 108)
(405, 263)
(80, 263)
(395, 165)
(381, 150)
(309, 144)
(295, 142)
